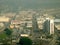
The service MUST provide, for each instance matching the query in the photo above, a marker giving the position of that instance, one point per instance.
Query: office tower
(34, 23)
(35, 29)
(49, 26)
(46, 26)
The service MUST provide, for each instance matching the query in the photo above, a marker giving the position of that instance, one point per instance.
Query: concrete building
(57, 23)
(34, 23)
(4, 19)
(29, 23)
(49, 26)
(24, 35)
(15, 22)
(40, 21)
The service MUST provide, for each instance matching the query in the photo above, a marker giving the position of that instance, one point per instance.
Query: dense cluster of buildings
(28, 23)
(25, 17)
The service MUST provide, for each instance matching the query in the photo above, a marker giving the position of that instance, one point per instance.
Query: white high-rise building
(51, 26)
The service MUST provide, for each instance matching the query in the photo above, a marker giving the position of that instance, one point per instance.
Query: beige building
(40, 22)
(4, 19)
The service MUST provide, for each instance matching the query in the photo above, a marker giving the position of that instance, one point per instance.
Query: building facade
(49, 26)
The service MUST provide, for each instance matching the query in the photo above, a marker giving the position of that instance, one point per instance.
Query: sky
(40, 3)
(31, 3)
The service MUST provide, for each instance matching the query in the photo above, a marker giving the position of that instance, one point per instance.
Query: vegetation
(3, 36)
(25, 41)
(8, 31)
(58, 40)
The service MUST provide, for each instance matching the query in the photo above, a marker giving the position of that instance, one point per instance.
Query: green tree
(25, 41)
(58, 40)
(8, 31)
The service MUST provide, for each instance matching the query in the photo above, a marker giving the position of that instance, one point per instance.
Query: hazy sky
(41, 3)
(33, 3)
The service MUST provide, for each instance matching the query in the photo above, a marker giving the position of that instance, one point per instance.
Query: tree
(25, 41)
(8, 31)
(58, 40)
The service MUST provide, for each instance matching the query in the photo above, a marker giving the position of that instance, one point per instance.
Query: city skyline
(38, 20)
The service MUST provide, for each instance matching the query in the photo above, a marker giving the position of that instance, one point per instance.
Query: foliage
(25, 41)
(2, 36)
(8, 31)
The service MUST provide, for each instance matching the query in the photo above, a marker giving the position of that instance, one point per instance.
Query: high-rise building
(49, 26)
(35, 28)
(46, 26)
(34, 24)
